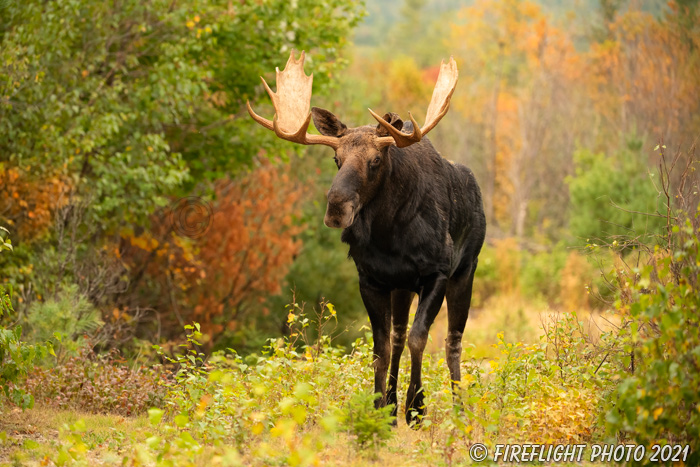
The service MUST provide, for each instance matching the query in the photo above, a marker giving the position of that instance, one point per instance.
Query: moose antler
(439, 104)
(292, 101)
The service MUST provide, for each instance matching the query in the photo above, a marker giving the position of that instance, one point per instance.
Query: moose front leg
(378, 304)
(400, 308)
(429, 304)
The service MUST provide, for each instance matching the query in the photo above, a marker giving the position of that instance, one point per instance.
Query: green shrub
(538, 273)
(541, 393)
(657, 400)
(486, 279)
(5, 241)
(322, 270)
(293, 393)
(16, 357)
(68, 317)
(601, 180)
(371, 427)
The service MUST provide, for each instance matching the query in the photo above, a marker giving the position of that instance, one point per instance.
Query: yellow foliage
(508, 264)
(564, 416)
(409, 90)
(144, 241)
(513, 61)
(573, 283)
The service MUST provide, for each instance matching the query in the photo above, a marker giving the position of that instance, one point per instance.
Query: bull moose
(414, 222)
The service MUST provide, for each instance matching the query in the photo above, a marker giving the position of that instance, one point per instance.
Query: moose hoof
(415, 410)
(414, 417)
(394, 419)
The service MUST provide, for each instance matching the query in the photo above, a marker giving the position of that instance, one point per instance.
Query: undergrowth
(98, 384)
(305, 402)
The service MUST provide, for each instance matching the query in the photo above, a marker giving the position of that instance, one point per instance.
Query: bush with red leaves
(98, 384)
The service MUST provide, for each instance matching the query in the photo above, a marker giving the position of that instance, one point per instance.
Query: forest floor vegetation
(303, 402)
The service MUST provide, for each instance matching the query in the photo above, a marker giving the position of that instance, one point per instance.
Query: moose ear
(326, 123)
(394, 120)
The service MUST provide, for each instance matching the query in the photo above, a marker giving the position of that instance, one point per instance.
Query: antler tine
(261, 120)
(439, 105)
(444, 88)
(292, 103)
(398, 137)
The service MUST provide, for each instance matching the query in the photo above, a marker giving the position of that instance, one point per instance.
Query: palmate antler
(439, 104)
(292, 101)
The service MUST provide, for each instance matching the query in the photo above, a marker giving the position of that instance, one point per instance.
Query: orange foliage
(241, 259)
(646, 77)
(250, 246)
(28, 203)
(514, 65)
(529, 96)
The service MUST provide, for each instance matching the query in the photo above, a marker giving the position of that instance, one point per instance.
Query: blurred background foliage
(110, 112)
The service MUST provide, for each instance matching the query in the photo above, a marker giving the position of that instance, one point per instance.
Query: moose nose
(340, 209)
(333, 223)
(335, 197)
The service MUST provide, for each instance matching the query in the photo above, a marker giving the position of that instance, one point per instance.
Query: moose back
(414, 222)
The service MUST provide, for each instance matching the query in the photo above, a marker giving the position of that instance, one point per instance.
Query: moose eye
(376, 161)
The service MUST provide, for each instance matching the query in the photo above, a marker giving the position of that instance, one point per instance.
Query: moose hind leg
(459, 295)
(431, 298)
(400, 308)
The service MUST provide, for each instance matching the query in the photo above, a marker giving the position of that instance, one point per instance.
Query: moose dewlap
(414, 222)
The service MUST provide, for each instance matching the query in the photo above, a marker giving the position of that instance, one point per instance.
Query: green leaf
(155, 415)
(79, 426)
(153, 442)
(181, 420)
(30, 444)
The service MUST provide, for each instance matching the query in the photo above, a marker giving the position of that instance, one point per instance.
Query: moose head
(361, 152)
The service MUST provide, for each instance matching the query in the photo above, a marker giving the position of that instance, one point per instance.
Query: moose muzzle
(341, 209)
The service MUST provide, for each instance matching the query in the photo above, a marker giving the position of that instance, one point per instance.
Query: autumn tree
(250, 247)
(645, 79)
(220, 274)
(516, 72)
(27, 202)
(110, 112)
